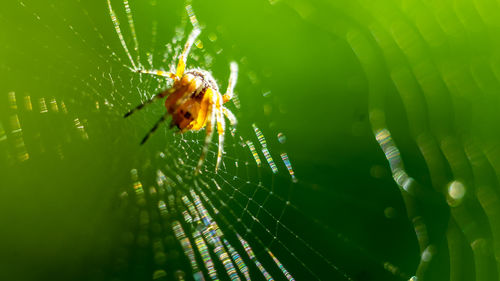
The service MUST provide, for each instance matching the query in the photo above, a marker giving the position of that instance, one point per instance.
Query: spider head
(203, 78)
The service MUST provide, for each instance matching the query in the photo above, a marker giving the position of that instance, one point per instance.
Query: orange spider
(194, 101)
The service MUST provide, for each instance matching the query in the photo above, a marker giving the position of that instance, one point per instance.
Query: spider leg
(221, 128)
(158, 73)
(150, 101)
(155, 127)
(209, 131)
(181, 66)
(230, 116)
(232, 82)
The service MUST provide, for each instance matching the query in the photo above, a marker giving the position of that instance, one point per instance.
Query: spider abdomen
(189, 103)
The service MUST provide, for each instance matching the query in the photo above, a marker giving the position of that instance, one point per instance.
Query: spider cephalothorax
(204, 78)
(194, 101)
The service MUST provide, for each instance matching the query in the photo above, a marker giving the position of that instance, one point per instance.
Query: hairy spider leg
(158, 73)
(150, 101)
(233, 77)
(172, 91)
(232, 82)
(230, 116)
(221, 129)
(155, 127)
(221, 110)
(181, 66)
(209, 128)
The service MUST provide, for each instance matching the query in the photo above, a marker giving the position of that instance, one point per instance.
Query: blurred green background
(327, 74)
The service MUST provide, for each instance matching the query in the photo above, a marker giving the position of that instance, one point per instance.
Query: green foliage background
(337, 71)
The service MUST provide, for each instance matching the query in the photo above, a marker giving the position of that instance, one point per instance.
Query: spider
(194, 101)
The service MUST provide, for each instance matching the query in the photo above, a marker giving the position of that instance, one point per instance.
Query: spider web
(246, 221)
